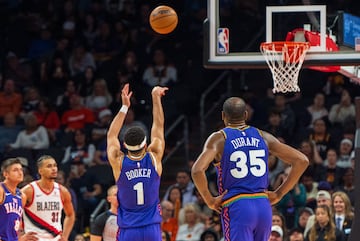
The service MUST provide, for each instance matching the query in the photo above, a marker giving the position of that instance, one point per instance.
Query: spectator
(334, 173)
(105, 47)
(30, 101)
(192, 228)
(43, 45)
(274, 126)
(169, 223)
(279, 219)
(317, 109)
(345, 149)
(287, 115)
(99, 130)
(276, 233)
(55, 75)
(129, 72)
(309, 149)
(86, 82)
(77, 117)
(311, 187)
(98, 136)
(63, 99)
(322, 198)
(209, 235)
(304, 215)
(89, 29)
(176, 198)
(183, 181)
(275, 168)
(19, 72)
(33, 137)
(347, 185)
(63, 180)
(324, 227)
(9, 131)
(205, 211)
(79, 60)
(165, 236)
(160, 72)
(343, 212)
(100, 98)
(321, 137)
(292, 202)
(296, 234)
(10, 100)
(80, 150)
(48, 118)
(80, 237)
(343, 111)
(88, 190)
(214, 224)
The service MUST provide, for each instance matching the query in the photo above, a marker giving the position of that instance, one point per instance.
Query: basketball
(163, 19)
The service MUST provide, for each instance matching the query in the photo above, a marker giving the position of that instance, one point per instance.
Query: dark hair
(167, 235)
(211, 232)
(134, 136)
(9, 162)
(234, 108)
(184, 170)
(178, 188)
(41, 159)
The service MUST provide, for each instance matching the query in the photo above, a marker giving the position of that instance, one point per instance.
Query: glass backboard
(232, 42)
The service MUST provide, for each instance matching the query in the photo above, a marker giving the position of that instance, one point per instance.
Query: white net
(285, 60)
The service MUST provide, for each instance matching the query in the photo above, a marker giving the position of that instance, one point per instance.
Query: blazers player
(45, 200)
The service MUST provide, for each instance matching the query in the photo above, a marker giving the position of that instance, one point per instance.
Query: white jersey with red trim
(43, 214)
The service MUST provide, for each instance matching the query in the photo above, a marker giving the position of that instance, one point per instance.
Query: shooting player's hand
(126, 95)
(159, 91)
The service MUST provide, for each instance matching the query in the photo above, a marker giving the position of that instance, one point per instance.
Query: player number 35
(256, 165)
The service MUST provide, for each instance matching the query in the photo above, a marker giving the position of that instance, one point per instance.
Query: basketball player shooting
(240, 153)
(137, 172)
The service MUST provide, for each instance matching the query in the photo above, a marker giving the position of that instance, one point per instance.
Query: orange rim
(278, 45)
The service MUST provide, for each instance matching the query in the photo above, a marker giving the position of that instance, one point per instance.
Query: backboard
(235, 44)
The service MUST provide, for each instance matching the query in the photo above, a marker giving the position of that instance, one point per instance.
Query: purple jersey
(243, 168)
(10, 215)
(138, 193)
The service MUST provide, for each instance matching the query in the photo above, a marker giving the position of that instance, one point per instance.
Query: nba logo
(223, 41)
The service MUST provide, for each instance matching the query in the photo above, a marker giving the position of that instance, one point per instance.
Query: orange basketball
(163, 19)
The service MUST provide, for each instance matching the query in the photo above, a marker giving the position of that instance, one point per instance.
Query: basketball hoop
(285, 60)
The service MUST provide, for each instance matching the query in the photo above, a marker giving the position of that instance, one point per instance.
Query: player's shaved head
(234, 109)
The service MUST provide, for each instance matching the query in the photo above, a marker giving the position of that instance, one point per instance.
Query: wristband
(124, 109)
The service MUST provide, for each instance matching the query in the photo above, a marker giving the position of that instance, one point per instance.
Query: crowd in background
(63, 64)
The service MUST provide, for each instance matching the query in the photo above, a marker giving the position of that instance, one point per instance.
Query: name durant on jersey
(245, 141)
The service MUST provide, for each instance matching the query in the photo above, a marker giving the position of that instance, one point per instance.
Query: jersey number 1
(139, 188)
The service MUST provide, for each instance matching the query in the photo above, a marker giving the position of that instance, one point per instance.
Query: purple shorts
(247, 220)
(150, 232)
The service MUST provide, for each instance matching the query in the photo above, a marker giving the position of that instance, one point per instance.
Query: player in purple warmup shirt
(240, 154)
(11, 202)
(137, 172)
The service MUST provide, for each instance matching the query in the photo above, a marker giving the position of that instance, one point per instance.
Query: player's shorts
(247, 220)
(150, 232)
